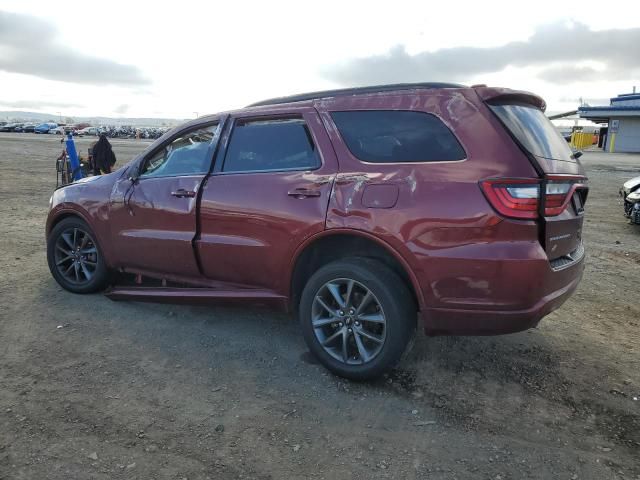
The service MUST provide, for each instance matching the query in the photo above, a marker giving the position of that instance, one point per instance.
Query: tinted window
(270, 145)
(534, 131)
(397, 136)
(186, 155)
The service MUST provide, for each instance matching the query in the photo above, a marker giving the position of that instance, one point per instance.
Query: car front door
(268, 193)
(153, 214)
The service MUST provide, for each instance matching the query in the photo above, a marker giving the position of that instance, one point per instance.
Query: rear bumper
(544, 295)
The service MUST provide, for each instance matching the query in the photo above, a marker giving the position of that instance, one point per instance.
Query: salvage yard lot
(90, 388)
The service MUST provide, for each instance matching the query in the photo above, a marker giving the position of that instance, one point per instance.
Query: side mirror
(134, 171)
(134, 174)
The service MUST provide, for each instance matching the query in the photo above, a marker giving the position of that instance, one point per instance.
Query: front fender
(88, 200)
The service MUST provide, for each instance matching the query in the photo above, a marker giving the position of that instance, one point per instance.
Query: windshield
(534, 131)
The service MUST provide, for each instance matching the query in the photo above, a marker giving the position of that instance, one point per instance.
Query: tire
(90, 274)
(377, 336)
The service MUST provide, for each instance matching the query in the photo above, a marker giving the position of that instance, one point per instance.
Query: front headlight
(634, 197)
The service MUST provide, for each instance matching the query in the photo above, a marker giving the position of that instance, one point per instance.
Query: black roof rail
(355, 91)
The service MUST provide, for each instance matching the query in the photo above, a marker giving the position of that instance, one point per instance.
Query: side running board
(198, 296)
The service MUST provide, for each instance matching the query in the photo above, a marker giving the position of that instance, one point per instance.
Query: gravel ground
(90, 388)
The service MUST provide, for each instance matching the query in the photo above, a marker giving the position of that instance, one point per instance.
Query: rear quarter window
(535, 132)
(393, 136)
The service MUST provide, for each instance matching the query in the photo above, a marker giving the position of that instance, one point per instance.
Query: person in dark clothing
(103, 156)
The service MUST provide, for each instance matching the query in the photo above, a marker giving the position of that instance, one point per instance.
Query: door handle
(304, 193)
(181, 193)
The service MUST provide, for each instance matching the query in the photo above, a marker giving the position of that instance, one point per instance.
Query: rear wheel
(357, 317)
(74, 257)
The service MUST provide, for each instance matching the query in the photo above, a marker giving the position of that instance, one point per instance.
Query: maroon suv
(364, 211)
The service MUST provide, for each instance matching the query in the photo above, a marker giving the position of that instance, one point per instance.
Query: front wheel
(357, 317)
(74, 257)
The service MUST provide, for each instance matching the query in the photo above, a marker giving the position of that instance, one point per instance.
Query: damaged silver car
(630, 193)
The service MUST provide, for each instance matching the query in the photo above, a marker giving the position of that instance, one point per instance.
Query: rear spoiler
(495, 94)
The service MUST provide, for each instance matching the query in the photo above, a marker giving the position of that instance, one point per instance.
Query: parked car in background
(26, 128)
(79, 126)
(57, 131)
(45, 127)
(89, 131)
(365, 211)
(10, 127)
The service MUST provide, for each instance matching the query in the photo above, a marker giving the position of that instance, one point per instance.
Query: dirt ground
(90, 388)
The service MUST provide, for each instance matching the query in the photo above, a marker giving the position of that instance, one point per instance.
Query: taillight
(520, 198)
(557, 197)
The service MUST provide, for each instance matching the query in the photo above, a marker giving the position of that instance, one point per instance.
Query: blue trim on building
(625, 96)
(612, 108)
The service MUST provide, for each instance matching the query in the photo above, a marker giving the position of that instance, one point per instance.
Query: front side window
(270, 145)
(188, 154)
(391, 136)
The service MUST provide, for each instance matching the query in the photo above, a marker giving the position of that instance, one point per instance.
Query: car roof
(308, 99)
(355, 91)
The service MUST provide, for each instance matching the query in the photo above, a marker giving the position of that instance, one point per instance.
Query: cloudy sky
(173, 59)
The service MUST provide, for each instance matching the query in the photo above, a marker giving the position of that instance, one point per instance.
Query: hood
(630, 186)
(88, 179)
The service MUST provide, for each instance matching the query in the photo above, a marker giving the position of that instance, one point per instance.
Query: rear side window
(534, 131)
(389, 136)
(270, 145)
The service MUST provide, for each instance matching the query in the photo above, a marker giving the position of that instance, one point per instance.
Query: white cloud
(566, 44)
(29, 46)
(214, 56)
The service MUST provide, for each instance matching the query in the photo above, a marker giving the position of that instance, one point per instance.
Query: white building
(623, 119)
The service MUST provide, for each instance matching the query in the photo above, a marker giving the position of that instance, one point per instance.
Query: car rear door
(153, 218)
(268, 193)
(563, 186)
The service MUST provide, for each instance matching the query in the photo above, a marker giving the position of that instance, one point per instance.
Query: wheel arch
(59, 214)
(321, 248)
